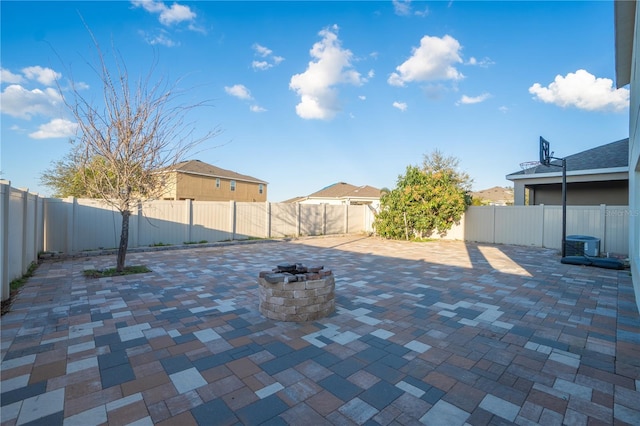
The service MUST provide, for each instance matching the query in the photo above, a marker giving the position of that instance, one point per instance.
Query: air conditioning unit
(581, 245)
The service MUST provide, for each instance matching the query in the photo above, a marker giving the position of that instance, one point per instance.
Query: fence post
(25, 215)
(71, 219)
(267, 222)
(603, 228)
(493, 223)
(5, 193)
(542, 224)
(188, 220)
(232, 219)
(346, 219)
(324, 219)
(135, 238)
(36, 226)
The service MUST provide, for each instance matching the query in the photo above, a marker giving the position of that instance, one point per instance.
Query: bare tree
(126, 142)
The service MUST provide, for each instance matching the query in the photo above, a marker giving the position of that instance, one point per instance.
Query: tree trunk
(124, 241)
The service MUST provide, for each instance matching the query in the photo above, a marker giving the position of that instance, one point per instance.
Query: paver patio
(438, 333)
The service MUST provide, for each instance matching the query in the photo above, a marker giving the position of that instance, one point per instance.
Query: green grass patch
(196, 242)
(15, 285)
(112, 272)
(422, 240)
(160, 244)
(19, 282)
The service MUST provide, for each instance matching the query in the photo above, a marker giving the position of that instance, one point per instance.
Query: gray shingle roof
(200, 168)
(611, 155)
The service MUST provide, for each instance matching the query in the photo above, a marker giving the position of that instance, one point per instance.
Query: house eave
(614, 173)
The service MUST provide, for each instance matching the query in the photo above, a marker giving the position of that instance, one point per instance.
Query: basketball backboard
(545, 156)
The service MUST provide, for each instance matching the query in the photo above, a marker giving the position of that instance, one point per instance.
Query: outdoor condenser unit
(580, 245)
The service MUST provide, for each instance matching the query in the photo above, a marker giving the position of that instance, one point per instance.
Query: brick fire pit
(294, 292)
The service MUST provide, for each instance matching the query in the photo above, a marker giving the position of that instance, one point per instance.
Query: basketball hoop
(529, 167)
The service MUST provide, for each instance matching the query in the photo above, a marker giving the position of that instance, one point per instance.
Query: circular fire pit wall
(294, 292)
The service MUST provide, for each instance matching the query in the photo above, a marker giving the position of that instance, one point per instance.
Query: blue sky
(316, 92)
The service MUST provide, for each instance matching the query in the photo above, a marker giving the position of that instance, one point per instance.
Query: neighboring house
(198, 181)
(342, 193)
(595, 176)
(496, 196)
(627, 37)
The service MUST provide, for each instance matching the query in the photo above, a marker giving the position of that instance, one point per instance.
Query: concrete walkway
(438, 333)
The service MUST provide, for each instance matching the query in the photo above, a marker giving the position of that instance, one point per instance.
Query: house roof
(610, 156)
(197, 167)
(346, 190)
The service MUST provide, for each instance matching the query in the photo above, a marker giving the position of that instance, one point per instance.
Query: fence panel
(163, 222)
(15, 233)
(284, 220)
(552, 233)
(211, 220)
(251, 220)
(519, 225)
(616, 230)
(479, 224)
(334, 219)
(21, 233)
(95, 225)
(311, 219)
(33, 231)
(584, 220)
(356, 219)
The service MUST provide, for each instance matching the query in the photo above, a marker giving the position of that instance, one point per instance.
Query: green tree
(125, 142)
(425, 200)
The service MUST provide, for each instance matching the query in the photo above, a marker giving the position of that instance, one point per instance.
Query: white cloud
(402, 7)
(433, 60)
(402, 106)
(466, 100)
(270, 59)
(175, 14)
(239, 91)
(261, 50)
(162, 38)
(331, 66)
(484, 62)
(80, 85)
(256, 108)
(371, 74)
(45, 76)
(261, 65)
(17, 101)
(56, 128)
(362, 97)
(422, 13)
(7, 77)
(583, 91)
(503, 109)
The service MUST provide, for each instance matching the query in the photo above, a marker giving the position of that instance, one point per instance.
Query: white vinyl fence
(541, 226)
(21, 233)
(30, 224)
(74, 225)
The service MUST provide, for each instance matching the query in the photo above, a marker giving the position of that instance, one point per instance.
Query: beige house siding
(203, 188)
